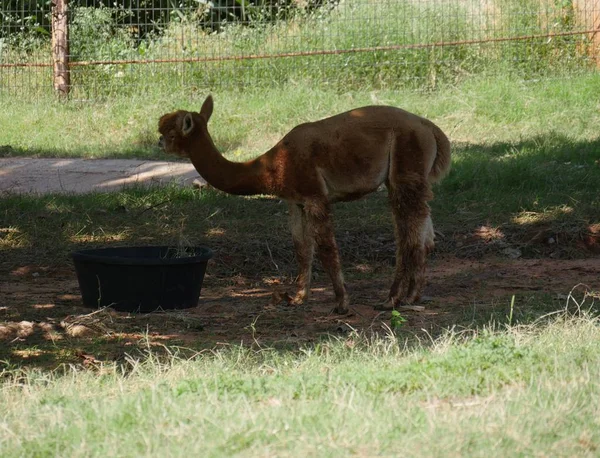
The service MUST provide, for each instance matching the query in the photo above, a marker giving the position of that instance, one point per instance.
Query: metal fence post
(60, 47)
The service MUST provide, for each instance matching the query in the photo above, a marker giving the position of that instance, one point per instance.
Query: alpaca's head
(179, 128)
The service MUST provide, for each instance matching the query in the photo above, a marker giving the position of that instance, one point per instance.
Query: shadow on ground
(512, 219)
(44, 324)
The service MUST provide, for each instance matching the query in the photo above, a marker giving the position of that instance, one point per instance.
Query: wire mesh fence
(90, 48)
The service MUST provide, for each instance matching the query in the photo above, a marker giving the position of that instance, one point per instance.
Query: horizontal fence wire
(134, 46)
(301, 53)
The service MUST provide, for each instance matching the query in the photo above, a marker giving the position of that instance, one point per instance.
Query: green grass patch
(494, 117)
(525, 171)
(244, 124)
(516, 391)
(516, 196)
(525, 159)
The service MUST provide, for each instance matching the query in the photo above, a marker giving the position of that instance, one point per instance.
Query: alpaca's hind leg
(304, 243)
(319, 221)
(429, 236)
(408, 199)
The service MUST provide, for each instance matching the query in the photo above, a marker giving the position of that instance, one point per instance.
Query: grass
(525, 164)
(47, 228)
(97, 35)
(515, 391)
(525, 171)
(499, 196)
(525, 160)
(247, 123)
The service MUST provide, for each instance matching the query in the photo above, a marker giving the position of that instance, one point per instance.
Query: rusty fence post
(60, 47)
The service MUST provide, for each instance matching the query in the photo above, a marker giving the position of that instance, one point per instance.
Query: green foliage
(95, 35)
(24, 16)
(192, 29)
(148, 16)
(24, 26)
(396, 320)
(540, 56)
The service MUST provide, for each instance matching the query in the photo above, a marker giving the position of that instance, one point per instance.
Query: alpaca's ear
(207, 108)
(187, 124)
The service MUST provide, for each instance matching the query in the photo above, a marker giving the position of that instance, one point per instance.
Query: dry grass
(526, 390)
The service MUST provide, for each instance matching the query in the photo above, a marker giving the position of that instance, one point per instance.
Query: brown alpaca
(340, 158)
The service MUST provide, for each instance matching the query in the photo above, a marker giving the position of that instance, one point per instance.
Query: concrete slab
(78, 176)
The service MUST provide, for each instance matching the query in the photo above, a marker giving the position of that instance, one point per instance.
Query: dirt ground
(44, 323)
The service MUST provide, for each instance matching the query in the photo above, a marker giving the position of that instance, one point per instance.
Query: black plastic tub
(141, 279)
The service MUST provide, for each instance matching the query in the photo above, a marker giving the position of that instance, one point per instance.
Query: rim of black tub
(144, 255)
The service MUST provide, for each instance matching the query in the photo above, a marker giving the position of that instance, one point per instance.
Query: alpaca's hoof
(341, 310)
(279, 297)
(387, 305)
(299, 298)
(342, 306)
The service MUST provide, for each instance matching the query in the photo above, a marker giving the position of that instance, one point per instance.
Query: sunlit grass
(489, 392)
(520, 118)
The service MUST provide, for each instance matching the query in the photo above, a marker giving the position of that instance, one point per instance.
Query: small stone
(551, 241)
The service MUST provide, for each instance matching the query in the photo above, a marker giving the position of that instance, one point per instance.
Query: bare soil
(76, 175)
(472, 280)
(43, 322)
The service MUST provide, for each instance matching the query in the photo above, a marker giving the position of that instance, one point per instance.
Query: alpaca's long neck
(242, 178)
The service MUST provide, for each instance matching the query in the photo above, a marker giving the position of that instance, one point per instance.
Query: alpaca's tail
(441, 163)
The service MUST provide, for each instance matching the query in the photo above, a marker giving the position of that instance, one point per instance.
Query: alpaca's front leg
(304, 248)
(320, 224)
